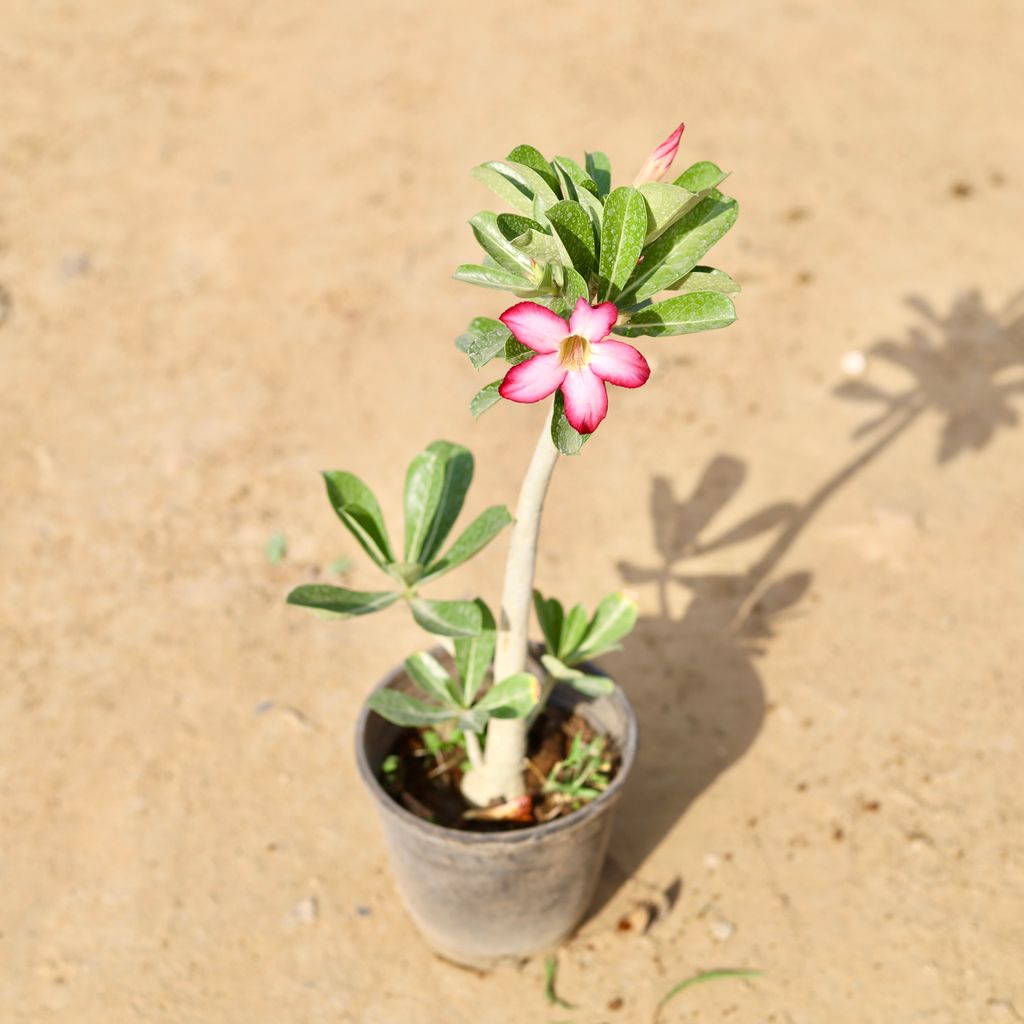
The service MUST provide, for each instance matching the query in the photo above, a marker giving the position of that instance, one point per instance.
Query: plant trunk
(501, 775)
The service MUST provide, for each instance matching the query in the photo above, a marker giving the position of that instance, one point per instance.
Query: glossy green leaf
(514, 697)
(575, 174)
(495, 244)
(430, 676)
(599, 167)
(539, 245)
(473, 655)
(706, 279)
(483, 340)
(446, 618)
(534, 159)
(485, 398)
(594, 208)
(665, 205)
(357, 508)
(680, 248)
(480, 532)
(458, 474)
(550, 616)
(512, 225)
(590, 685)
(574, 289)
(701, 177)
(615, 618)
(682, 314)
(622, 239)
(573, 227)
(504, 187)
(564, 435)
(528, 182)
(573, 630)
(339, 600)
(516, 352)
(492, 277)
(407, 711)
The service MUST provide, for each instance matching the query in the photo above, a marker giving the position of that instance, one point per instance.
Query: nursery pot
(480, 897)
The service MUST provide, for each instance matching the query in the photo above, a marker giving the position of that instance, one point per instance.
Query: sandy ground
(226, 231)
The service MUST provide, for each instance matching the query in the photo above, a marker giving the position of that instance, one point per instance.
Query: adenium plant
(587, 264)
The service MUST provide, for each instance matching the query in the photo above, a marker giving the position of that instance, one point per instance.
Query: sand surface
(226, 235)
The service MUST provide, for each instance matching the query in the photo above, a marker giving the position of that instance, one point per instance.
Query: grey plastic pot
(481, 897)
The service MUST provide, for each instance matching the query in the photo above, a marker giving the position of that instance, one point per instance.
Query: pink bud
(661, 159)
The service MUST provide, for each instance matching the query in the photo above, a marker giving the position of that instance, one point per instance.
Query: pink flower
(577, 357)
(661, 159)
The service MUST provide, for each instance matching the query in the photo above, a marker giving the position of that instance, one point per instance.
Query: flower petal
(586, 399)
(661, 159)
(535, 326)
(534, 379)
(619, 363)
(593, 322)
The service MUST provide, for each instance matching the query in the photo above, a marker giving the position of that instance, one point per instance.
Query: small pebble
(721, 930)
(854, 364)
(711, 861)
(362, 911)
(305, 911)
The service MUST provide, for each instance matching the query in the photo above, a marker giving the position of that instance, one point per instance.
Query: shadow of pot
(478, 898)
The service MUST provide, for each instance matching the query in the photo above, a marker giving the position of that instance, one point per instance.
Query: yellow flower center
(574, 352)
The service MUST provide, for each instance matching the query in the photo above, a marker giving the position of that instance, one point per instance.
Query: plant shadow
(693, 678)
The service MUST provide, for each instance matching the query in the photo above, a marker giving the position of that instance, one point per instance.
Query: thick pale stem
(502, 771)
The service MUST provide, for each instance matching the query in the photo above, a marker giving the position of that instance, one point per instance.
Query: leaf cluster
(573, 637)
(573, 236)
(435, 490)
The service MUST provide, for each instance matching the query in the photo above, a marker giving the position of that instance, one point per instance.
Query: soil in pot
(424, 775)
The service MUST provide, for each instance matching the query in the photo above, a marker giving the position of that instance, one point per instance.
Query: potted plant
(495, 764)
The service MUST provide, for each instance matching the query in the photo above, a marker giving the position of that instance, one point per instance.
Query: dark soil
(428, 784)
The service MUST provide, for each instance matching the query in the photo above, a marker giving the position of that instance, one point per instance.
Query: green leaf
(484, 339)
(706, 279)
(565, 437)
(405, 710)
(573, 227)
(576, 174)
(339, 600)
(491, 277)
(549, 615)
(516, 352)
(701, 177)
(665, 205)
(428, 673)
(534, 159)
(447, 618)
(679, 249)
(276, 547)
(504, 188)
(485, 398)
(622, 239)
(599, 167)
(512, 225)
(539, 246)
(534, 191)
(357, 508)
(615, 618)
(683, 314)
(594, 208)
(589, 685)
(480, 532)
(574, 289)
(573, 630)
(495, 244)
(458, 475)
(514, 697)
(473, 655)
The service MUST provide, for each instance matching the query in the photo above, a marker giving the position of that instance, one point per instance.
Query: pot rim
(514, 836)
